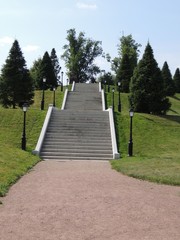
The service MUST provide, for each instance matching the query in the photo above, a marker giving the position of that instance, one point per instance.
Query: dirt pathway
(88, 201)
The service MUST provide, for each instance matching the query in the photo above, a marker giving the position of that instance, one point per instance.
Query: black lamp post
(62, 81)
(105, 86)
(42, 101)
(54, 96)
(119, 103)
(23, 142)
(113, 99)
(130, 147)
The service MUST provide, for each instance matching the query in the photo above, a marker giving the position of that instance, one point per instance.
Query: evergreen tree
(169, 87)
(124, 73)
(147, 90)
(124, 64)
(55, 63)
(16, 86)
(47, 71)
(176, 79)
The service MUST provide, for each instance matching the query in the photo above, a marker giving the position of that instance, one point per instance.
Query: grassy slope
(156, 143)
(13, 161)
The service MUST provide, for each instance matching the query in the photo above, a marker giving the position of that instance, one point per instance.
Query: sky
(40, 25)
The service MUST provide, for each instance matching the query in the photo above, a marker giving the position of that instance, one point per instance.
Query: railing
(116, 155)
(64, 99)
(43, 131)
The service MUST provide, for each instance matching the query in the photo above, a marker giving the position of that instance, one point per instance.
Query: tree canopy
(147, 87)
(169, 87)
(16, 86)
(124, 64)
(79, 55)
(176, 79)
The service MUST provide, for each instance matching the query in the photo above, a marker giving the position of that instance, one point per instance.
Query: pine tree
(176, 79)
(147, 90)
(16, 86)
(47, 71)
(169, 87)
(124, 73)
(55, 63)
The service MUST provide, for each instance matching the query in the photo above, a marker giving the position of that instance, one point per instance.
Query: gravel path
(88, 201)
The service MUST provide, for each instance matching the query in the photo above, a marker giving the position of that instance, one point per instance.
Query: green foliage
(55, 64)
(79, 55)
(16, 86)
(147, 88)
(47, 71)
(156, 151)
(124, 73)
(169, 87)
(35, 72)
(176, 79)
(124, 64)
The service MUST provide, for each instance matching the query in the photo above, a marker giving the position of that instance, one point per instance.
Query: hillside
(156, 155)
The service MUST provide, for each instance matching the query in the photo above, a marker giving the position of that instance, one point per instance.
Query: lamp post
(62, 81)
(23, 142)
(130, 147)
(113, 99)
(119, 103)
(105, 86)
(42, 102)
(54, 96)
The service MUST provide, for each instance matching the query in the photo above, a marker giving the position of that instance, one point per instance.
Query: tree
(169, 87)
(147, 89)
(176, 79)
(55, 64)
(124, 64)
(47, 71)
(16, 86)
(79, 56)
(35, 72)
(124, 73)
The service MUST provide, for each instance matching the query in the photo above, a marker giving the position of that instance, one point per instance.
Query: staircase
(81, 131)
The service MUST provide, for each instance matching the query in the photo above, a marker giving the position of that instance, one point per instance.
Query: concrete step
(81, 131)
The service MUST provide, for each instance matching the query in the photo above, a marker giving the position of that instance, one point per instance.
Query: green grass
(13, 161)
(156, 143)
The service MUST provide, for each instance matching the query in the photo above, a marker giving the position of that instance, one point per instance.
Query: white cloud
(30, 48)
(82, 5)
(6, 41)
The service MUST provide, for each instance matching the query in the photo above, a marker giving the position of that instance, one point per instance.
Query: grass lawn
(13, 161)
(156, 143)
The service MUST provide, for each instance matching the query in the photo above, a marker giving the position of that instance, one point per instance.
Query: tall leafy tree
(147, 88)
(79, 55)
(169, 87)
(55, 63)
(35, 72)
(16, 85)
(47, 71)
(176, 79)
(124, 64)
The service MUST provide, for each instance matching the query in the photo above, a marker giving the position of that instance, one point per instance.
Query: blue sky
(40, 25)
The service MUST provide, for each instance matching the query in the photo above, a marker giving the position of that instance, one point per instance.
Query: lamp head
(131, 112)
(119, 83)
(113, 90)
(25, 107)
(44, 80)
